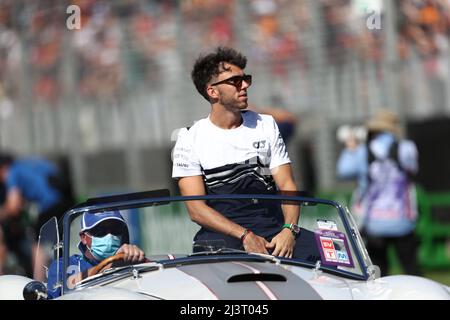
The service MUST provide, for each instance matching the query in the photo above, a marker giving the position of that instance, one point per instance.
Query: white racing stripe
(203, 284)
(260, 284)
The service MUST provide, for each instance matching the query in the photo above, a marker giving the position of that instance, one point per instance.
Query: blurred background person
(31, 180)
(3, 253)
(385, 200)
(286, 120)
(15, 242)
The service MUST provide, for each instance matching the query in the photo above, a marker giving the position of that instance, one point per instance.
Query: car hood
(256, 281)
(236, 280)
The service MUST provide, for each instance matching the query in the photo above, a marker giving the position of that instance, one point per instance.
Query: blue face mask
(105, 247)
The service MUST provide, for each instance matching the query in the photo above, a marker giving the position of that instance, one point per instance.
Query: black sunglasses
(236, 80)
(101, 230)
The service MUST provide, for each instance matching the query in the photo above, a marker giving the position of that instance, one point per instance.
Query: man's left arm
(284, 242)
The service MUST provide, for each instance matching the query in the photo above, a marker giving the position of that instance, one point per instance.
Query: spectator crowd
(127, 44)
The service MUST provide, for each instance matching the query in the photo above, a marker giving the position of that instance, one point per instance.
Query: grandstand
(110, 94)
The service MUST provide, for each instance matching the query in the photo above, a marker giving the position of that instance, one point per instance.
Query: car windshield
(162, 228)
(48, 250)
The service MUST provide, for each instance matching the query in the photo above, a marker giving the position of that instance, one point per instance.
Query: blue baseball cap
(90, 220)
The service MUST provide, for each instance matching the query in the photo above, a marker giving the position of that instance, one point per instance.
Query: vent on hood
(246, 277)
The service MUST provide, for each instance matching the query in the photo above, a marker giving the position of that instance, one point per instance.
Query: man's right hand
(132, 253)
(255, 243)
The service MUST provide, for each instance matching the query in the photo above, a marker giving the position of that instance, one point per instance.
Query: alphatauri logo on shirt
(259, 144)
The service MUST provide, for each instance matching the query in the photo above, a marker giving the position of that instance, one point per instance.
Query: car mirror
(35, 290)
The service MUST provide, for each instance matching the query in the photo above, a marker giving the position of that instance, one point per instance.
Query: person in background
(3, 253)
(34, 180)
(102, 235)
(31, 180)
(16, 239)
(385, 201)
(286, 120)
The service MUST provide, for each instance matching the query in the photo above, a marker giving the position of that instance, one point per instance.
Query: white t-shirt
(236, 160)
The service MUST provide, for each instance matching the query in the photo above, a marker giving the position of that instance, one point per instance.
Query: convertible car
(334, 263)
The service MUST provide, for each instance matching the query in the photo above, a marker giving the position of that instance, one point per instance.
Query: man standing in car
(235, 151)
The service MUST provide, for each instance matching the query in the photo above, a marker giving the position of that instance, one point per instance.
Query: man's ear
(83, 238)
(212, 93)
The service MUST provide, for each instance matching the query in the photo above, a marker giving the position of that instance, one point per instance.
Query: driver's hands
(282, 244)
(255, 243)
(132, 253)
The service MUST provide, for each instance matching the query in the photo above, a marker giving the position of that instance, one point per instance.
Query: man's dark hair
(211, 65)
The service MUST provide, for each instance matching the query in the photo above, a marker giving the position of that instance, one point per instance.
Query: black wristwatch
(295, 229)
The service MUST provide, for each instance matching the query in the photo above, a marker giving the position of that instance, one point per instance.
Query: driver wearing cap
(102, 235)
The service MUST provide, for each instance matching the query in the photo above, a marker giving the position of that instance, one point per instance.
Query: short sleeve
(352, 163)
(279, 154)
(408, 156)
(185, 162)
